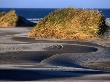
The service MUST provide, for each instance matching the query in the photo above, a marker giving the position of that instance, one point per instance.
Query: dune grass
(9, 19)
(70, 23)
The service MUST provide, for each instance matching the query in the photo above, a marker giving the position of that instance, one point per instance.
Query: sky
(54, 3)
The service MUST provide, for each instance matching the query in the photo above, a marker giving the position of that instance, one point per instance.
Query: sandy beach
(27, 59)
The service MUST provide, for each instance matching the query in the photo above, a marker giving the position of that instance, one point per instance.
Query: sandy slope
(24, 59)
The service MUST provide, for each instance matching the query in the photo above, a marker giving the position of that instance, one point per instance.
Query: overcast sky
(54, 3)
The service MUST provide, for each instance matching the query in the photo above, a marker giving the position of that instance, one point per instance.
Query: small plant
(70, 23)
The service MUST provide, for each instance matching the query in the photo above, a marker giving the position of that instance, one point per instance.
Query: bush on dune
(70, 23)
(9, 19)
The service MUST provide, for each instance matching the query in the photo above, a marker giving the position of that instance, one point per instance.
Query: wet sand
(27, 59)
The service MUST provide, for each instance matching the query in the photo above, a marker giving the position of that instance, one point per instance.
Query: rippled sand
(27, 59)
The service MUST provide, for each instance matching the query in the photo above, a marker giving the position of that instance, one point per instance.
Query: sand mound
(11, 19)
(70, 24)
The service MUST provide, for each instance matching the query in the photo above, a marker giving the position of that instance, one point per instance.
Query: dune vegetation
(11, 19)
(70, 23)
(8, 19)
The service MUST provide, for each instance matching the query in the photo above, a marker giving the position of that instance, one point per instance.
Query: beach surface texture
(28, 59)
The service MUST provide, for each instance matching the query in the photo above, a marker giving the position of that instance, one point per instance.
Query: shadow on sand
(31, 75)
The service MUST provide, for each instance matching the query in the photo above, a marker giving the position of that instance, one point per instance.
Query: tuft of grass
(70, 23)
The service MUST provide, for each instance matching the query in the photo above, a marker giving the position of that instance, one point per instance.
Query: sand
(27, 59)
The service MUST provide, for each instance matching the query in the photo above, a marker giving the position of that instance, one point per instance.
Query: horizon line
(49, 8)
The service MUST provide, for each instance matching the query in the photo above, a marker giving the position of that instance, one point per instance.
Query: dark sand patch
(23, 57)
(32, 40)
(71, 48)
